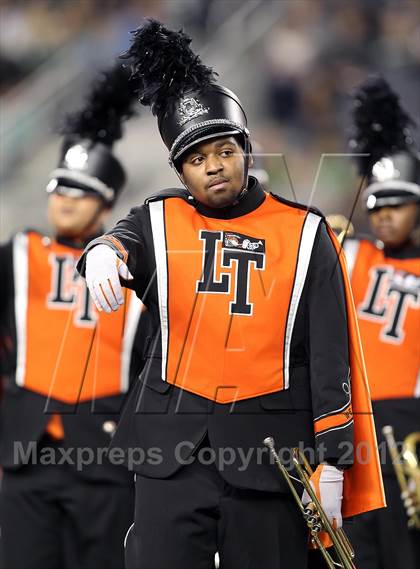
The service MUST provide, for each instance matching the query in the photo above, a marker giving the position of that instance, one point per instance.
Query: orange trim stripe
(335, 420)
(315, 478)
(117, 243)
(55, 427)
(363, 489)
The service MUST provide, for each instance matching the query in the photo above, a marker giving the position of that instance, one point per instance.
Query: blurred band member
(385, 277)
(63, 504)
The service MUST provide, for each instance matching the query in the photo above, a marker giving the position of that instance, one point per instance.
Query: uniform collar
(76, 243)
(406, 251)
(250, 201)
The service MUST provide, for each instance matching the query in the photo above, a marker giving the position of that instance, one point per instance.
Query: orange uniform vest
(65, 349)
(387, 297)
(230, 288)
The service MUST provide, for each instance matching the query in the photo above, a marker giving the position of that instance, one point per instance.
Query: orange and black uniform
(386, 288)
(67, 371)
(250, 339)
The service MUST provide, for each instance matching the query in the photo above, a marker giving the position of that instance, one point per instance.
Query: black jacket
(167, 423)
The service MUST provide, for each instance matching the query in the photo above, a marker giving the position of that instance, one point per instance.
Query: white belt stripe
(305, 250)
(157, 218)
(20, 276)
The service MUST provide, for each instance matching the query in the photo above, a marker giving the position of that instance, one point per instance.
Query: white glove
(103, 268)
(327, 482)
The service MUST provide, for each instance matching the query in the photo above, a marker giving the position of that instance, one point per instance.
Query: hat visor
(82, 181)
(201, 134)
(64, 188)
(374, 202)
(392, 187)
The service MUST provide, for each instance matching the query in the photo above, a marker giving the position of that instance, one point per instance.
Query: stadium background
(292, 62)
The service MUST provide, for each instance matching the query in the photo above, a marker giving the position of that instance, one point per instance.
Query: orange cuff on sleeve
(117, 243)
(334, 420)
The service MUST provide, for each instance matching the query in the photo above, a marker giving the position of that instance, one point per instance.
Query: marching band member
(385, 279)
(62, 502)
(253, 334)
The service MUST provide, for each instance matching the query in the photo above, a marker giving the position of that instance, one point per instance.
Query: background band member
(68, 368)
(249, 310)
(386, 285)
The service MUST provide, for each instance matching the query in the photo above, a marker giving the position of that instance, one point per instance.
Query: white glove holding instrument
(327, 482)
(103, 269)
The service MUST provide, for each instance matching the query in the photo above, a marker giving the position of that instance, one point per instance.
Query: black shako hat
(381, 132)
(182, 92)
(216, 111)
(87, 164)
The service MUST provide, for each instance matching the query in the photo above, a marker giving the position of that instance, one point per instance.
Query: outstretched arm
(111, 256)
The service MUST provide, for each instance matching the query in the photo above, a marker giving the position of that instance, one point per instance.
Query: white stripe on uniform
(351, 249)
(20, 277)
(310, 228)
(157, 218)
(135, 307)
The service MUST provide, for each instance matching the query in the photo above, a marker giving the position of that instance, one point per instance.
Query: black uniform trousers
(181, 521)
(53, 518)
(381, 538)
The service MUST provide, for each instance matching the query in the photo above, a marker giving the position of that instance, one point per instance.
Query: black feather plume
(111, 100)
(381, 125)
(164, 66)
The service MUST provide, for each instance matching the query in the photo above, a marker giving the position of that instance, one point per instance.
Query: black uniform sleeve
(125, 238)
(6, 280)
(329, 353)
(6, 300)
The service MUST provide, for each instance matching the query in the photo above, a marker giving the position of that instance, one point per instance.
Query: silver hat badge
(189, 109)
(385, 169)
(76, 157)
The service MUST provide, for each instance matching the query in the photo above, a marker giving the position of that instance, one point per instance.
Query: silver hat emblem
(385, 170)
(76, 157)
(189, 109)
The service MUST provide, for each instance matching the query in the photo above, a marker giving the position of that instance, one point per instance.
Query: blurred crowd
(32, 31)
(308, 62)
(317, 54)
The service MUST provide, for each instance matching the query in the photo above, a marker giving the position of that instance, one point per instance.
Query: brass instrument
(341, 226)
(406, 466)
(313, 512)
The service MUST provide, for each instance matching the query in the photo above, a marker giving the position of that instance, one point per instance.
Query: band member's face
(72, 217)
(214, 171)
(394, 225)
